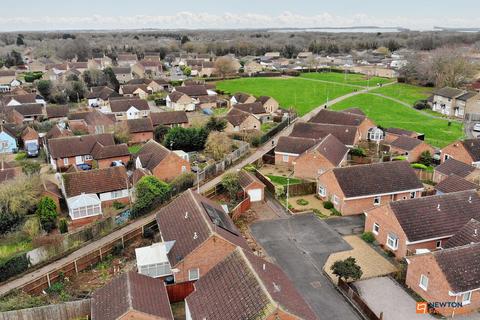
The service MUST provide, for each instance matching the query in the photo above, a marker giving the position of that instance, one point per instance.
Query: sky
(43, 15)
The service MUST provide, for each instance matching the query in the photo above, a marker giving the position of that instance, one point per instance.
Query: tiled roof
(122, 105)
(335, 117)
(92, 118)
(20, 98)
(103, 93)
(294, 145)
(176, 95)
(468, 95)
(400, 132)
(131, 88)
(121, 70)
(151, 154)
(140, 125)
(332, 149)
(104, 152)
(254, 108)
(263, 99)
(436, 216)
(449, 92)
(377, 178)
(246, 178)
(454, 183)
(78, 145)
(244, 286)
(57, 111)
(168, 118)
(29, 109)
(236, 116)
(452, 166)
(131, 291)
(354, 110)
(95, 181)
(473, 148)
(405, 143)
(186, 221)
(461, 266)
(241, 97)
(346, 134)
(469, 233)
(193, 91)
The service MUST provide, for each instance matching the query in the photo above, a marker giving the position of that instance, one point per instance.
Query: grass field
(349, 78)
(405, 92)
(134, 148)
(283, 181)
(304, 95)
(387, 113)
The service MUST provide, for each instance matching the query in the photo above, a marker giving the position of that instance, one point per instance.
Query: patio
(313, 203)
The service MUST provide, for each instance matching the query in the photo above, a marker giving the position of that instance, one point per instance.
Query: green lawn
(267, 126)
(219, 111)
(405, 92)
(8, 249)
(347, 78)
(134, 148)
(304, 95)
(282, 180)
(387, 113)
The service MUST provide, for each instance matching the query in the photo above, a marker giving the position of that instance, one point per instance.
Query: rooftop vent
(438, 207)
(195, 236)
(186, 214)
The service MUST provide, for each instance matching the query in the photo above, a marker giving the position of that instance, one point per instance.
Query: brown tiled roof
(176, 95)
(168, 118)
(436, 216)
(332, 149)
(263, 99)
(57, 111)
(126, 57)
(236, 116)
(254, 108)
(58, 132)
(92, 118)
(246, 178)
(449, 92)
(469, 233)
(78, 145)
(294, 145)
(130, 88)
(454, 183)
(103, 93)
(151, 154)
(29, 109)
(52, 188)
(131, 291)
(466, 96)
(473, 148)
(95, 181)
(335, 117)
(121, 70)
(452, 166)
(20, 98)
(122, 105)
(377, 178)
(7, 73)
(244, 286)
(104, 152)
(186, 221)
(346, 134)
(140, 125)
(193, 91)
(461, 266)
(242, 97)
(405, 143)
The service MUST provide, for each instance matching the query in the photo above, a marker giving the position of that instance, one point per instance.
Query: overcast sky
(194, 14)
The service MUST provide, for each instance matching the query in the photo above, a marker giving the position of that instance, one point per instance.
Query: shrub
(150, 192)
(358, 152)
(302, 202)
(399, 158)
(47, 214)
(56, 288)
(118, 205)
(183, 182)
(419, 166)
(13, 266)
(426, 158)
(347, 269)
(63, 226)
(148, 233)
(21, 156)
(328, 205)
(231, 184)
(421, 105)
(335, 212)
(368, 237)
(117, 249)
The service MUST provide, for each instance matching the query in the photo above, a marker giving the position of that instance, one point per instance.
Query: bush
(419, 166)
(117, 249)
(13, 266)
(421, 105)
(63, 226)
(358, 152)
(47, 213)
(148, 233)
(399, 158)
(328, 205)
(302, 202)
(335, 212)
(21, 156)
(368, 237)
(150, 192)
(183, 182)
(347, 269)
(118, 205)
(426, 158)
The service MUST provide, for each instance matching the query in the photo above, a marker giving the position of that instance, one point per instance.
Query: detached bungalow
(123, 74)
(241, 97)
(87, 192)
(178, 101)
(238, 120)
(392, 134)
(126, 109)
(410, 147)
(169, 118)
(354, 190)
(348, 135)
(99, 96)
(141, 130)
(458, 168)
(134, 90)
(255, 108)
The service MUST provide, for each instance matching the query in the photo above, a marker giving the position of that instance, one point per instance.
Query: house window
(423, 282)
(467, 298)
(285, 158)
(88, 157)
(322, 191)
(438, 244)
(412, 194)
(446, 157)
(376, 228)
(193, 274)
(116, 194)
(376, 201)
(392, 241)
(65, 161)
(184, 169)
(335, 199)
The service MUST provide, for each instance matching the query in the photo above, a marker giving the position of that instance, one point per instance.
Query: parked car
(84, 166)
(117, 163)
(476, 127)
(32, 149)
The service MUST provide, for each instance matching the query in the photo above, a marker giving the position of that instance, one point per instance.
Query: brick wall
(310, 164)
(414, 155)
(280, 162)
(105, 163)
(140, 137)
(170, 167)
(457, 151)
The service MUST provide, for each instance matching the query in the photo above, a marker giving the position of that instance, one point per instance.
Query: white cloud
(190, 20)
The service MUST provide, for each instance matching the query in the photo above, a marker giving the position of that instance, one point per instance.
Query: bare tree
(451, 67)
(225, 66)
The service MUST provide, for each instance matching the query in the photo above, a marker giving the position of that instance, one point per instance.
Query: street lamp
(288, 186)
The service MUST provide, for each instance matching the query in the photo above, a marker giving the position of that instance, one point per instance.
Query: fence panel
(268, 184)
(179, 291)
(301, 189)
(63, 311)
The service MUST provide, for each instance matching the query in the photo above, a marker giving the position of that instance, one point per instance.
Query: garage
(251, 186)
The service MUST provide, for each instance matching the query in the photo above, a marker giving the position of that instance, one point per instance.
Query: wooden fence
(424, 175)
(301, 189)
(241, 208)
(268, 184)
(179, 291)
(356, 300)
(63, 311)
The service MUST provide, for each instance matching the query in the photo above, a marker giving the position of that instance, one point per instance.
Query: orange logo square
(422, 308)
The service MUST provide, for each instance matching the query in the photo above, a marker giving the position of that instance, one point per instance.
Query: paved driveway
(384, 294)
(347, 225)
(300, 245)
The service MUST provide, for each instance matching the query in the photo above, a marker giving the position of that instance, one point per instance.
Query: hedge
(13, 266)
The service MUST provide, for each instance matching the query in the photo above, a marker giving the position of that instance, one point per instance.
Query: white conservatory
(84, 205)
(153, 261)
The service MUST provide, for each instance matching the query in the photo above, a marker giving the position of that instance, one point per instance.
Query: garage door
(255, 195)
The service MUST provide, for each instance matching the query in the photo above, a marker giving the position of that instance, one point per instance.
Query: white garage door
(255, 195)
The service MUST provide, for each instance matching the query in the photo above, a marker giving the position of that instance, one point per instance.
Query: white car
(476, 127)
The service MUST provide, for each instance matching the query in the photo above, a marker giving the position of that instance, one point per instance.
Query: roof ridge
(129, 293)
(202, 210)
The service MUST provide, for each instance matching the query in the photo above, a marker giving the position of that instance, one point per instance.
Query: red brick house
(241, 121)
(363, 124)
(161, 162)
(467, 151)
(203, 234)
(458, 168)
(244, 286)
(348, 135)
(131, 296)
(106, 156)
(454, 183)
(412, 148)
(141, 130)
(288, 149)
(424, 223)
(354, 190)
(449, 275)
(252, 186)
(392, 134)
(170, 119)
(94, 121)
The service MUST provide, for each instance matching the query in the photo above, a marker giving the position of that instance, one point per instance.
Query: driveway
(347, 225)
(384, 294)
(300, 245)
